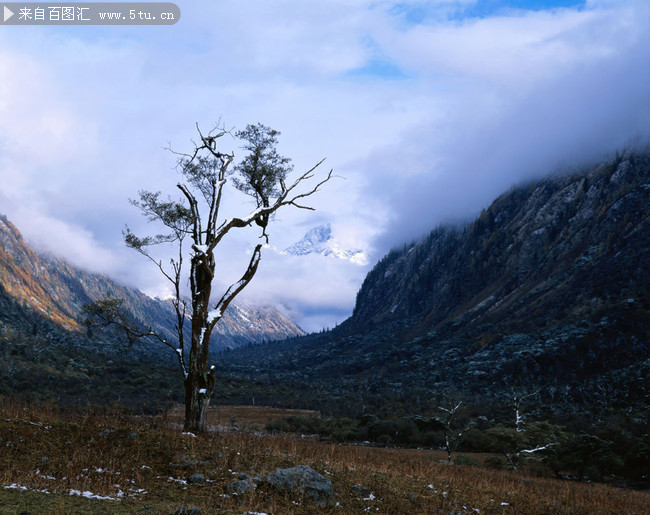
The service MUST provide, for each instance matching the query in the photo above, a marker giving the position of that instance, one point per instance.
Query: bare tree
(196, 216)
(452, 429)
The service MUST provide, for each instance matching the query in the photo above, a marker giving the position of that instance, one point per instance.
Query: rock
(105, 432)
(187, 511)
(303, 481)
(360, 490)
(196, 479)
(240, 487)
(245, 484)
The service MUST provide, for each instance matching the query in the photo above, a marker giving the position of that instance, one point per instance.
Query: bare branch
(109, 312)
(281, 201)
(234, 289)
(139, 245)
(196, 216)
(537, 449)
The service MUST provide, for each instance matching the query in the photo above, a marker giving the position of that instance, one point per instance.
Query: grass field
(108, 462)
(239, 417)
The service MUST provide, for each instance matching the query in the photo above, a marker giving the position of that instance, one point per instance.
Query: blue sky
(488, 8)
(414, 13)
(427, 112)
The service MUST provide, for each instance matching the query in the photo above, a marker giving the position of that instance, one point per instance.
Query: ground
(107, 461)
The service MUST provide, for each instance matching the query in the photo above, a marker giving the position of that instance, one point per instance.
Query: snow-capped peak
(313, 241)
(319, 240)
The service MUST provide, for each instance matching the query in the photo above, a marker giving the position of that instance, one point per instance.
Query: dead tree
(453, 432)
(195, 223)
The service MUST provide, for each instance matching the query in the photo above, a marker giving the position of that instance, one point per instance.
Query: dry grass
(241, 417)
(144, 464)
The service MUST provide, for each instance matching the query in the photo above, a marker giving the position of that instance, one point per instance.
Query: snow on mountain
(319, 240)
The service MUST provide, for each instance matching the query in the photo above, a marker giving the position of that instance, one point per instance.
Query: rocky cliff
(566, 248)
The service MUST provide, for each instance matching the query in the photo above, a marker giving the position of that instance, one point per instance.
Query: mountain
(319, 240)
(58, 291)
(566, 249)
(548, 290)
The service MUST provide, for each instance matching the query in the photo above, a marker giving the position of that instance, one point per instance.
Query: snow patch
(90, 495)
(214, 314)
(15, 486)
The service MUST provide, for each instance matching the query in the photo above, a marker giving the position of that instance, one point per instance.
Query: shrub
(344, 435)
(432, 438)
(383, 439)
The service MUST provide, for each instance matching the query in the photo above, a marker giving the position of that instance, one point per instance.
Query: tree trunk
(197, 400)
(199, 383)
(196, 406)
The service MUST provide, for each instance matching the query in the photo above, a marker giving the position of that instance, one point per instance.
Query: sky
(425, 110)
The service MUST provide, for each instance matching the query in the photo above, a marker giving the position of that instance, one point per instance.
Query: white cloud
(490, 135)
(37, 124)
(61, 239)
(314, 288)
(462, 108)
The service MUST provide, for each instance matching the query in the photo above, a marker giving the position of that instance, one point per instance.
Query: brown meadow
(54, 462)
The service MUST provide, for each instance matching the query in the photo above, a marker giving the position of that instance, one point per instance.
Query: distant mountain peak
(312, 242)
(319, 240)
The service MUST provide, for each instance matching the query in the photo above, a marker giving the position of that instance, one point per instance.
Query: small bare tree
(196, 216)
(453, 430)
(452, 433)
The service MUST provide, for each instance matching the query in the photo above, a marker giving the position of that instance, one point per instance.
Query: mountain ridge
(59, 291)
(510, 250)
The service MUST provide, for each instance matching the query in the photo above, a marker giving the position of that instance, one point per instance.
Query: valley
(524, 329)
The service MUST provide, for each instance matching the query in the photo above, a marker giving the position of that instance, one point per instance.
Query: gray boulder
(245, 484)
(240, 487)
(305, 482)
(196, 479)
